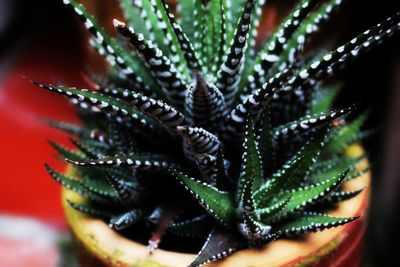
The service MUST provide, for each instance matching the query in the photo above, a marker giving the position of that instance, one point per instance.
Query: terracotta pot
(98, 245)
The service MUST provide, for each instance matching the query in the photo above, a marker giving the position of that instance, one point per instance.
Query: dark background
(373, 80)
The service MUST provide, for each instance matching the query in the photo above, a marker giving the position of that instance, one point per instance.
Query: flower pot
(98, 245)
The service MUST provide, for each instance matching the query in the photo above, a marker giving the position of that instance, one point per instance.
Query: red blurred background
(49, 54)
(49, 46)
(44, 43)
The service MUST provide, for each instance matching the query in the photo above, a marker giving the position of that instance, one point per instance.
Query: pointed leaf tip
(118, 23)
(219, 204)
(219, 244)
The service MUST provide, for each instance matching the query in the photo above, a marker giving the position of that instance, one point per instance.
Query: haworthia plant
(194, 133)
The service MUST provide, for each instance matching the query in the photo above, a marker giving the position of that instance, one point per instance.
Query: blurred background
(42, 40)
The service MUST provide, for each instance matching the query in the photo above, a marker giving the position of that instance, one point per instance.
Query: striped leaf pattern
(193, 132)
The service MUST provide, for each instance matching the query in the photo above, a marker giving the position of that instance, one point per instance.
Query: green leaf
(346, 134)
(218, 203)
(228, 75)
(125, 219)
(199, 21)
(251, 178)
(339, 196)
(216, 34)
(67, 153)
(267, 145)
(308, 124)
(168, 116)
(214, 169)
(310, 222)
(204, 104)
(150, 162)
(251, 174)
(110, 106)
(95, 121)
(78, 156)
(198, 141)
(132, 12)
(181, 41)
(294, 172)
(332, 168)
(219, 244)
(195, 227)
(75, 185)
(233, 14)
(99, 187)
(161, 9)
(251, 41)
(222, 167)
(306, 77)
(172, 81)
(207, 166)
(117, 55)
(256, 75)
(264, 214)
(358, 173)
(157, 35)
(265, 137)
(252, 229)
(121, 138)
(255, 104)
(91, 210)
(98, 142)
(87, 150)
(322, 99)
(127, 192)
(188, 17)
(306, 196)
(309, 25)
(67, 127)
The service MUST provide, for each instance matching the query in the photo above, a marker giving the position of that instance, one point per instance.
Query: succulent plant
(197, 132)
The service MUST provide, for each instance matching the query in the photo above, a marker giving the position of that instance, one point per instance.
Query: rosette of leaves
(189, 100)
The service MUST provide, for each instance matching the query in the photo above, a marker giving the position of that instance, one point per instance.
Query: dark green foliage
(250, 135)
